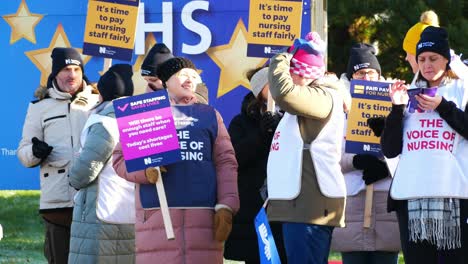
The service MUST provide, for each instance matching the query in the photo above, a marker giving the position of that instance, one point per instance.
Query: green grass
(23, 231)
(23, 235)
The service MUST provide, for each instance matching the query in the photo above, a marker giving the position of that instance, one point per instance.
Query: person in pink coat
(202, 213)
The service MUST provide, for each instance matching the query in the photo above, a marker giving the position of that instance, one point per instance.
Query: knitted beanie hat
(62, 57)
(158, 54)
(258, 81)
(116, 82)
(428, 18)
(434, 39)
(172, 66)
(362, 56)
(308, 60)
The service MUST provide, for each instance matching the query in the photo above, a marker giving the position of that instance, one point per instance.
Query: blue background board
(21, 74)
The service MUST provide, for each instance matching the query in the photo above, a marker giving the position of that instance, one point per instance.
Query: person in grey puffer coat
(50, 133)
(102, 230)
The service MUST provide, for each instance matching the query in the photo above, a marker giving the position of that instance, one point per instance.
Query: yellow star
(233, 61)
(22, 24)
(41, 57)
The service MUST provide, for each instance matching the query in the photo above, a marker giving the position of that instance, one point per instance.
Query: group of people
(290, 155)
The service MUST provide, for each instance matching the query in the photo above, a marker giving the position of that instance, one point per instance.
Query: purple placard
(147, 130)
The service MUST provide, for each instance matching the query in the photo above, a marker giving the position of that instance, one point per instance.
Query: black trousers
(57, 243)
(423, 251)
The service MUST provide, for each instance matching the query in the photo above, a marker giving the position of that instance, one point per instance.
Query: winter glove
(373, 168)
(268, 123)
(222, 224)
(152, 174)
(40, 149)
(377, 125)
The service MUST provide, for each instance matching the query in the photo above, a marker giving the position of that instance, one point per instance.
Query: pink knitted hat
(308, 61)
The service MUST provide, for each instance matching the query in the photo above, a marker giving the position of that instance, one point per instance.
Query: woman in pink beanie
(307, 189)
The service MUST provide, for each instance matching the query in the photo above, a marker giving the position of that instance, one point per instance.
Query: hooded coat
(252, 150)
(93, 240)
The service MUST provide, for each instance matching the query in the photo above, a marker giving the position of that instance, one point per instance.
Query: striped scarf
(436, 220)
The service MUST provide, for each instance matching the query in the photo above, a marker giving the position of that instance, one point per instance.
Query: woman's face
(367, 74)
(432, 66)
(412, 61)
(183, 83)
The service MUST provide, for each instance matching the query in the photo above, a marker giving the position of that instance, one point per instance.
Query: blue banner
(266, 242)
(213, 34)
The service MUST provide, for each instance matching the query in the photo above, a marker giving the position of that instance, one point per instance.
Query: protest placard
(110, 29)
(273, 25)
(147, 130)
(369, 99)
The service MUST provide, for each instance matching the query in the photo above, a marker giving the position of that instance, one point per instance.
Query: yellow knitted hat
(428, 18)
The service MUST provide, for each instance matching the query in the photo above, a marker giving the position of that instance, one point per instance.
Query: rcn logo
(366, 147)
(147, 161)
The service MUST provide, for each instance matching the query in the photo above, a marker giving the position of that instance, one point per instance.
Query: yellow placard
(274, 22)
(111, 24)
(361, 110)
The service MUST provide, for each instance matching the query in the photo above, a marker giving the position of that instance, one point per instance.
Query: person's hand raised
(398, 93)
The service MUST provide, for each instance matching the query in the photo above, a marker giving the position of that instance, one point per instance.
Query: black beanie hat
(172, 66)
(62, 57)
(158, 54)
(362, 56)
(434, 39)
(116, 82)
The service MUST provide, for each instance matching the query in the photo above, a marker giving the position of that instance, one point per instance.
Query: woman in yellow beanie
(428, 18)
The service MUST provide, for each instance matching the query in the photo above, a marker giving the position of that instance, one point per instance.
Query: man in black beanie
(51, 136)
(158, 54)
(362, 56)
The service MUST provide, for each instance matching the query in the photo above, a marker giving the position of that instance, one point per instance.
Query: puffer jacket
(252, 148)
(57, 120)
(193, 228)
(92, 240)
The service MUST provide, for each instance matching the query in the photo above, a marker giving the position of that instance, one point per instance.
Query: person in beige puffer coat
(51, 134)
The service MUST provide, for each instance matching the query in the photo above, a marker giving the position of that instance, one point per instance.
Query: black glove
(40, 149)
(373, 168)
(268, 123)
(377, 125)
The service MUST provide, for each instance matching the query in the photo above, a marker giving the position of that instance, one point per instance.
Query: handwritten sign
(147, 130)
(369, 99)
(110, 29)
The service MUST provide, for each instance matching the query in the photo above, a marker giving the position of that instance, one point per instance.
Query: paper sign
(110, 29)
(369, 99)
(147, 130)
(273, 25)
